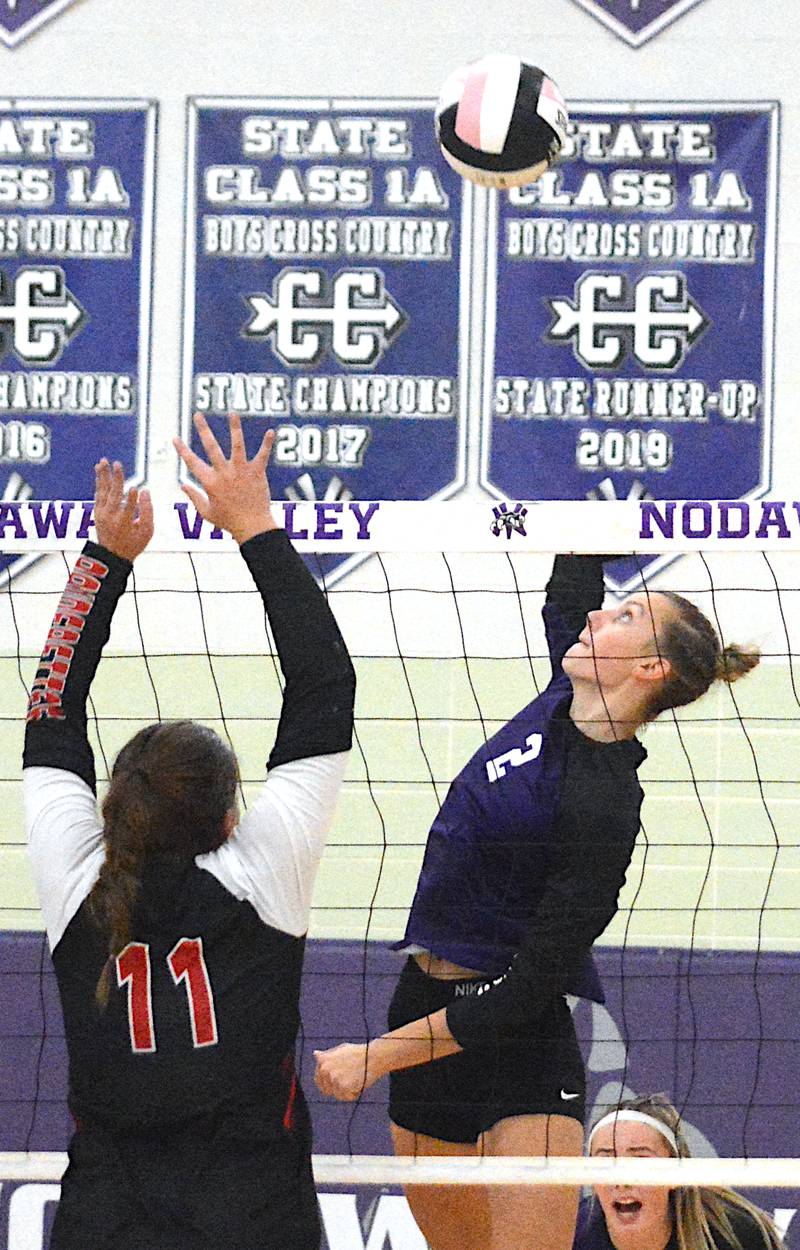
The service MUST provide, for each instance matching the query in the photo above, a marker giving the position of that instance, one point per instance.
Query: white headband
(638, 1117)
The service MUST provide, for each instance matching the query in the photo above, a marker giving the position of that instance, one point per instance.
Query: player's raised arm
(317, 713)
(273, 855)
(574, 590)
(64, 831)
(55, 734)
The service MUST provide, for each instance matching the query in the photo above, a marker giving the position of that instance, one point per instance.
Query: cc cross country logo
(20, 18)
(657, 322)
(38, 315)
(636, 21)
(353, 316)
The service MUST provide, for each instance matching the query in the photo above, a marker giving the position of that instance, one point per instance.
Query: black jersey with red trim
(203, 1010)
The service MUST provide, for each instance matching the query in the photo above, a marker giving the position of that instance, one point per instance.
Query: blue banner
(20, 18)
(76, 224)
(632, 352)
(324, 293)
(636, 21)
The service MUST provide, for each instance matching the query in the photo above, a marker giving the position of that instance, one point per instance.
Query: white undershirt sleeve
(65, 843)
(271, 858)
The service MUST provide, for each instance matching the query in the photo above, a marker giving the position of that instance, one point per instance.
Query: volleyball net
(440, 606)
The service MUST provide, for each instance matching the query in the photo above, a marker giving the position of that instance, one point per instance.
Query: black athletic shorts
(457, 1098)
(187, 1190)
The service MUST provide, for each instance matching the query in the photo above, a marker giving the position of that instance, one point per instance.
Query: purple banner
(20, 18)
(324, 294)
(636, 21)
(718, 1032)
(75, 277)
(632, 351)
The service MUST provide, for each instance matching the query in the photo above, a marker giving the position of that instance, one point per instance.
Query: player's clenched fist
(345, 1071)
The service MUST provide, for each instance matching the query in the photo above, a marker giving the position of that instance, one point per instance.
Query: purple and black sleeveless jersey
(527, 855)
(203, 1011)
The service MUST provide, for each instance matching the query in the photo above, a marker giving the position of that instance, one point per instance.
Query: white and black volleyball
(501, 122)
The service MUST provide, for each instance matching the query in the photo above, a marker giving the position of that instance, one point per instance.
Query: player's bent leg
(455, 1217)
(531, 1217)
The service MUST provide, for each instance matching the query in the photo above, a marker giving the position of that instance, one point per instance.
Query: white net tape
(469, 1170)
(644, 526)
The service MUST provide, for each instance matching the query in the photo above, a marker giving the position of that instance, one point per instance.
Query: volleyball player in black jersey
(177, 923)
(522, 872)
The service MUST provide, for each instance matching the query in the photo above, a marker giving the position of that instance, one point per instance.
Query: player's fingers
(102, 478)
(262, 456)
(237, 437)
(197, 497)
(145, 519)
(322, 1075)
(116, 486)
(193, 463)
(210, 444)
(130, 504)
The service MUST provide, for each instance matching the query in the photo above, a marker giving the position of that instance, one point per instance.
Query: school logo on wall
(356, 318)
(636, 21)
(20, 18)
(654, 320)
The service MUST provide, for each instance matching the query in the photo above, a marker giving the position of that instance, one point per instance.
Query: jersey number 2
(187, 964)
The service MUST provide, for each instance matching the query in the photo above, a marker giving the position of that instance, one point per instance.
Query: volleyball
(501, 122)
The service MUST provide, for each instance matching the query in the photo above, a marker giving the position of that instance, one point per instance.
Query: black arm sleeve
(317, 713)
(585, 875)
(55, 732)
(575, 588)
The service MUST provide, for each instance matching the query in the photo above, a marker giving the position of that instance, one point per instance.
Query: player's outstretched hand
(123, 522)
(345, 1071)
(237, 497)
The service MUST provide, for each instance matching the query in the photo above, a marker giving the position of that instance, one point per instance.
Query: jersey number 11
(186, 963)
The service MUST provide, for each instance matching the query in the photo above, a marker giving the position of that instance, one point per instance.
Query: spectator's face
(637, 1218)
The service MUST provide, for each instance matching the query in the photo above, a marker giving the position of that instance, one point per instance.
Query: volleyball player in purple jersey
(522, 872)
(177, 923)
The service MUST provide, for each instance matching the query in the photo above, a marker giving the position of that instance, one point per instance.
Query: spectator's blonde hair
(703, 1213)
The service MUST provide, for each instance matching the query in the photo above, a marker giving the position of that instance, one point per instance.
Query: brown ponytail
(735, 662)
(171, 787)
(690, 643)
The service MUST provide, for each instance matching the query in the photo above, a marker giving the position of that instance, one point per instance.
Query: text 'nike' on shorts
(457, 1098)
